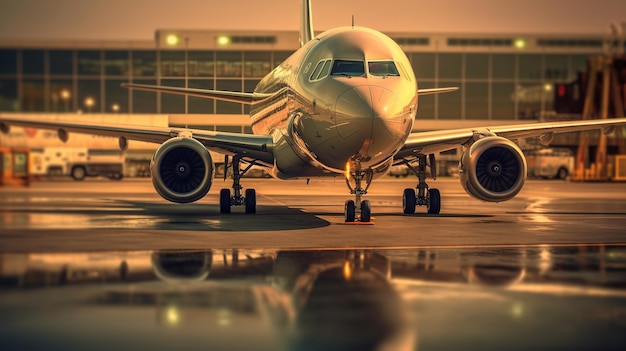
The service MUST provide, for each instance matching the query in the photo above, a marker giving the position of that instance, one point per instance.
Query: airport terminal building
(503, 79)
(501, 76)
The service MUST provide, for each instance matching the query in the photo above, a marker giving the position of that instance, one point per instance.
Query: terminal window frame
(348, 68)
(386, 68)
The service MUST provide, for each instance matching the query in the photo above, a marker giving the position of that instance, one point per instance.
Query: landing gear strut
(237, 199)
(431, 198)
(358, 206)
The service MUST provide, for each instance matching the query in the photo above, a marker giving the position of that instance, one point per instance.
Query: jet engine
(493, 169)
(182, 170)
(182, 266)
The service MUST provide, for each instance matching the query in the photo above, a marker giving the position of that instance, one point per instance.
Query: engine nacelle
(182, 266)
(493, 169)
(182, 170)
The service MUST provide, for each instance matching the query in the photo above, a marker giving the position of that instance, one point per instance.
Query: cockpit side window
(321, 70)
(325, 70)
(317, 70)
(383, 68)
(348, 68)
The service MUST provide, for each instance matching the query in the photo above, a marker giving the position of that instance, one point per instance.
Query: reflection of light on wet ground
(441, 291)
(19, 220)
(562, 290)
(71, 221)
(545, 261)
(173, 316)
(534, 213)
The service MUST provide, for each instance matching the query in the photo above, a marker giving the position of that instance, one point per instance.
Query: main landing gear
(431, 198)
(226, 200)
(359, 207)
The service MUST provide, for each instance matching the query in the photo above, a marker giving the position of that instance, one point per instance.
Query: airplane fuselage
(345, 100)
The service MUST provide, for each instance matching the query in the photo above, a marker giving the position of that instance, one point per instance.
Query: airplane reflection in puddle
(343, 299)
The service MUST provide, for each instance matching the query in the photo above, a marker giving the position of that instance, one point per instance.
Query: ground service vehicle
(78, 162)
(555, 163)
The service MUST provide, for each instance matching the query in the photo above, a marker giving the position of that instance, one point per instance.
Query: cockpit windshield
(348, 68)
(383, 68)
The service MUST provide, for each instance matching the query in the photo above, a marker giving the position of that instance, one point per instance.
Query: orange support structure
(14, 166)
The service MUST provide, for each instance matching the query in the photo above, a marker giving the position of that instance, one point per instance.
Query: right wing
(252, 147)
(257, 148)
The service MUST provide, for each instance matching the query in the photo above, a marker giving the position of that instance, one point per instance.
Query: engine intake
(493, 169)
(182, 170)
(182, 266)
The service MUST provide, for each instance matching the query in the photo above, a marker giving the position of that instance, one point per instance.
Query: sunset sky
(138, 19)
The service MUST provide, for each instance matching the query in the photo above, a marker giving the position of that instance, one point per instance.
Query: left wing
(251, 147)
(423, 143)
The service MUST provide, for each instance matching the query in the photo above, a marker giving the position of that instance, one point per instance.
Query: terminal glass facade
(493, 85)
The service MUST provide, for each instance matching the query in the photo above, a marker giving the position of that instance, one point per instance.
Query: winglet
(306, 23)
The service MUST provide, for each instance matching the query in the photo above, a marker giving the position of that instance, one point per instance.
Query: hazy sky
(138, 19)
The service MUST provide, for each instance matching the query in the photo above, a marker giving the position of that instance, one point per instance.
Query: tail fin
(306, 23)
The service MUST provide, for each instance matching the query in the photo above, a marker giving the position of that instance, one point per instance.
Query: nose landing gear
(358, 206)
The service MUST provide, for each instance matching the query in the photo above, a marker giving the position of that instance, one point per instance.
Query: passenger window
(348, 68)
(383, 68)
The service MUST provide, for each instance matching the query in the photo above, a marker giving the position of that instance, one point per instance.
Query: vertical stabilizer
(306, 23)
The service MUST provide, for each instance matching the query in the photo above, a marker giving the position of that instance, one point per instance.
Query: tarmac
(104, 265)
(98, 214)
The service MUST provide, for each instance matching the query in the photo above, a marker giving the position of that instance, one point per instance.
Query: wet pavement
(513, 298)
(105, 265)
(101, 215)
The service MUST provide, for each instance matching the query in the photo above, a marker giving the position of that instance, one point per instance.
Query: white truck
(78, 162)
(557, 163)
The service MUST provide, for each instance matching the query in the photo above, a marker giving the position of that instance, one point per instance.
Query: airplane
(345, 104)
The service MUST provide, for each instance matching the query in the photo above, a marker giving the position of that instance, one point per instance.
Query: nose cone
(354, 113)
(371, 122)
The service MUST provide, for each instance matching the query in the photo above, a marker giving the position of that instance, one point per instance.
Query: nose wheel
(350, 211)
(237, 199)
(358, 210)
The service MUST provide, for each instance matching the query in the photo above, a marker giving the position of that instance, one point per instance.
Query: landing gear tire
(225, 201)
(408, 201)
(366, 211)
(349, 211)
(434, 201)
(250, 201)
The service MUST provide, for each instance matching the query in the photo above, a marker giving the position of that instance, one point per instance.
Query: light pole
(65, 96)
(89, 102)
(115, 107)
(186, 73)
